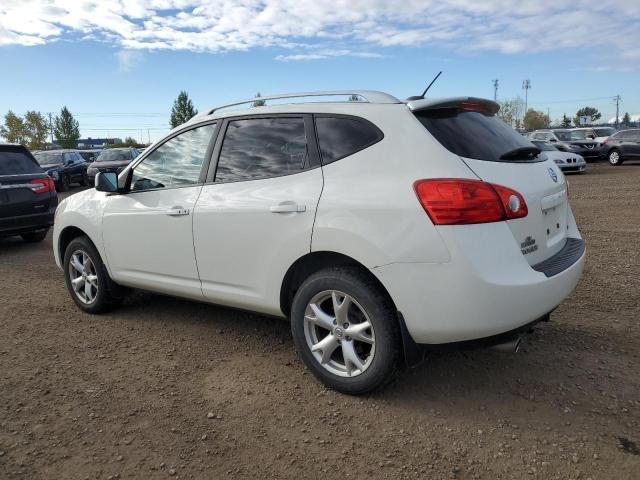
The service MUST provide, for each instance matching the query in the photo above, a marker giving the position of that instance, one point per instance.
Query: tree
(258, 103)
(36, 129)
(566, 121)
(590, 112)
(535, 119)
(182, 110)
(626, 120)
(510, 111)
(66, 129)
(13, 129)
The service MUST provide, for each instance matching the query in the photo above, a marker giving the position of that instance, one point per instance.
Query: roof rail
(369, 96)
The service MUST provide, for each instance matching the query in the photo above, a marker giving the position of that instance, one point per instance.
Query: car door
(632, 143)
(148, 230)
(255, 217)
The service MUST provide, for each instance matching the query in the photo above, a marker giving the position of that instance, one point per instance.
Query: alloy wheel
(614, 157)
(83, 276)
(339, 333)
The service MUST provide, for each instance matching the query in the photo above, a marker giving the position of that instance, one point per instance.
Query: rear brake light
(451, 201)
(472, 107)
(43, 185)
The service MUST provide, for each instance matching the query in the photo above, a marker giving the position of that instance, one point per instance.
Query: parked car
(597, 134)
(111, 160)
(623, 145)
(65, 167)
(28, 196)
(568, 162)
(566, 141)
(376, 227)
(90, 155)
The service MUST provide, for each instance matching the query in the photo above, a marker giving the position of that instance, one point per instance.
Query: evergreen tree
(626, 120)
(182, 110)
(566, 121)
(66, 129)
(591, 112)
(259, 103)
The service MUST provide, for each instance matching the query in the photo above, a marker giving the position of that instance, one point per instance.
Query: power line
(571, 101)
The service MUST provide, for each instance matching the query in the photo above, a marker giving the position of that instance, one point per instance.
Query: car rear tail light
(472, 107)
(452, 201)
(43, 185)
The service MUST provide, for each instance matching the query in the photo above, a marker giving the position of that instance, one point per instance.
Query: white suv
(376, 226)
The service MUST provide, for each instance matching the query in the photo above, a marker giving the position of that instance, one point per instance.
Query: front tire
(346, 331)
(87, 279)
(614, 157)
(84, 181)
(64, 183)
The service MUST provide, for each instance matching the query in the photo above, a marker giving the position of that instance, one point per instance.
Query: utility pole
(526, 85)
(617, 98)
(51, 127)
(148, 136)
(495, 89)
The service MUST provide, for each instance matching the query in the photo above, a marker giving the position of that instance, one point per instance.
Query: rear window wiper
(522, 153)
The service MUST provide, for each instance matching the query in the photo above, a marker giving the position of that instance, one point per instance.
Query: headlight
(54, 174)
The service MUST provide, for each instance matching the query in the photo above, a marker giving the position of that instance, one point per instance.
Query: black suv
(28, 198)
(621, 146)
(112, 160)
(65, 167)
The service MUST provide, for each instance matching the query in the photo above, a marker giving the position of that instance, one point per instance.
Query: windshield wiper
(522, 153)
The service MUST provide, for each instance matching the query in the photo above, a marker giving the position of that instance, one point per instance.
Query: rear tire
(64, 183)
(357, 348)
(34, 237)
(82, 266)
(84, 181)
(614, 158)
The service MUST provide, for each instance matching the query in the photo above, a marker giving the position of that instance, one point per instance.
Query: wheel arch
(313, 262)
(67, 235)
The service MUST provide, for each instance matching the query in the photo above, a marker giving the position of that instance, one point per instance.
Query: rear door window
(15, 161)
(339, 137)
(263, 148)
(477, 135)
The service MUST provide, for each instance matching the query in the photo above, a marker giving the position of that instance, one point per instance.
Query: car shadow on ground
(471, 377)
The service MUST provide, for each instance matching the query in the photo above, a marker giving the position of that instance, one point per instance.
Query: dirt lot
(165, 388)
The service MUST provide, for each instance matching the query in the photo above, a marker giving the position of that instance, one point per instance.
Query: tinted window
(175, 163)
(603, 132)
(262, 148)
(45, 158)
(341, 136)
(563, 135)
(15, 161)
(472, 134)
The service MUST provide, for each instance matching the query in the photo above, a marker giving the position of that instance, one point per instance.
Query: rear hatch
(25, 189)
(496, 153)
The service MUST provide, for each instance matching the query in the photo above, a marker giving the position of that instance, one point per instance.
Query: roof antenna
(421, 97)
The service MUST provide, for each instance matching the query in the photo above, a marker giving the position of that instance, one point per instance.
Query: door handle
(177, 211)
(287, 207)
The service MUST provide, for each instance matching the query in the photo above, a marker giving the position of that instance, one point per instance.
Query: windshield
(45, 158)
(544, 146)
(563, 135)
(579, 134)
(16, 161)
(476, 134)
(114, 156)
(604, 132)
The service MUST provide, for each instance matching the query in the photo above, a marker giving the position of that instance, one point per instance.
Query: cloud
(313, 29)
(128, 59)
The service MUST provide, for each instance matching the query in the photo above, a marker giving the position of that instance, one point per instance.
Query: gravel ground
(165, 388)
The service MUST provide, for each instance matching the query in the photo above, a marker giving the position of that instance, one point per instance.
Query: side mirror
(107, 182)
(592, 137)
(553, 140)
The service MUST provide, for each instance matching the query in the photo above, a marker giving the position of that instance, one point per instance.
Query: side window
(262, 148)
(175, 163)
(342, 136)
(67, 158)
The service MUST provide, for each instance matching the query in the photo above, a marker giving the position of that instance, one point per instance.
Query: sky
(119, 64)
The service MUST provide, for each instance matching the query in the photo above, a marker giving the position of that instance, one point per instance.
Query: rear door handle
(177, 211)
(287, 207)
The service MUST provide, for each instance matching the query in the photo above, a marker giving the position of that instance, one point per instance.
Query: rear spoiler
(463, 103)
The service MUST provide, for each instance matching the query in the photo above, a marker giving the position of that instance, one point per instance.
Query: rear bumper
(487, 289)
(26, 223)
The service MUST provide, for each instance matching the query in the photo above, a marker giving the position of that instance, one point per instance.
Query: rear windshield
(605, 132)
(45, 158)
(544, 146)
(114, 156)
(15, 161)
(473, 134)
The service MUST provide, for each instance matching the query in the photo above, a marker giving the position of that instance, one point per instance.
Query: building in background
(97, 142)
